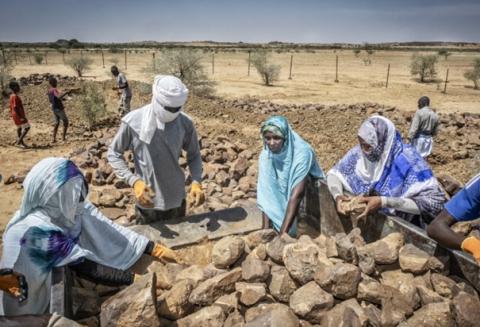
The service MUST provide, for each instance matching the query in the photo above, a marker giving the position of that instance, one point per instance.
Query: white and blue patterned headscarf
(391, 169)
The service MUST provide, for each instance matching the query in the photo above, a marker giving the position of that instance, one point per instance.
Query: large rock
(384, 251)
(166, 274)
(250, 293)
(174, 304)
(258, 237)
(212, 316)
(395, 307)
(56, 320)
(428, 296)
(327, 244)
(228, 302)
(340, 280)
(194, 273)
(467, 310)
(346, 249)
(431, 315)
(133, 306)
(255, 270)
(346, 313)
(310, 302)
(281, 284)
(276, 317)
(413, 260)
(234, 319)
(262, 308)
(404, 283)
(275, 247)
(443, 285)
(301, 260)
(239, 167)
(370, 290)
(211, 289)
(227, 251)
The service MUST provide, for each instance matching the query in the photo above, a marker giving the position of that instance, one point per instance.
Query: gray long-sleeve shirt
(157, 163)
(425, 121)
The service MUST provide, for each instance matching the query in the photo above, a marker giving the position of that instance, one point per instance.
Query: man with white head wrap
(157, 133)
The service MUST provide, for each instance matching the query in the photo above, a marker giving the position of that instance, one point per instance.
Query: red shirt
(16, 110)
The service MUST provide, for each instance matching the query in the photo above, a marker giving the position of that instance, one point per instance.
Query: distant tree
(269, 72)
(474, 74)
(38, 58)
(6, 66)
(79, 64)
(444, 52)
(424, 66)
(186, 64)
(92, 104)
(356, 52)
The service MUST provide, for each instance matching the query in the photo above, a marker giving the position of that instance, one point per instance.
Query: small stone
(340, 280)
(347, 311)
(346, 249)
(301, 260)
(275, 247)
(404, 283)
(211, 289)
(384, 251)
(310, 302)
(212, 316)
(275, 317)
(228, 302)
(466, 308)
(227, 251)
(250, 293)
(255, 270)
(258, 237)
(173, 304)
(281, 284)
(234, 319)
(443, 285)
(432, 315)
(413, 260)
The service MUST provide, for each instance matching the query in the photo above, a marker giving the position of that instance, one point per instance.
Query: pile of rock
(265, 280)
(37, 79)
(229, 175)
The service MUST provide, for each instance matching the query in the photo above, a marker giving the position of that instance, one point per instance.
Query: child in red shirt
(18, 114)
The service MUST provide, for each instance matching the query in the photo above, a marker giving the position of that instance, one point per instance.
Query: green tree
(92, 103)
(474, 73)
(79, 64)
(424, 66)
(269, 72)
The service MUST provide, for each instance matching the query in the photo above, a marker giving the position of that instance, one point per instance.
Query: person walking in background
(424, 128)
(124, 89)
(18, 114)
(55, 99)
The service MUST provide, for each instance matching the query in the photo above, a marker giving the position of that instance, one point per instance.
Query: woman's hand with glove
(143, 193)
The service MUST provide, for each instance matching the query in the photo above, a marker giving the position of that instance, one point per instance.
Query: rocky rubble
(306, 288)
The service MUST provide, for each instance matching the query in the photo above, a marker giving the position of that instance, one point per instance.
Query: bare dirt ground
(313, 76)
(331, 130)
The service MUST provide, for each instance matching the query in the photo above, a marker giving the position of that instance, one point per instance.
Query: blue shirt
(465, 205)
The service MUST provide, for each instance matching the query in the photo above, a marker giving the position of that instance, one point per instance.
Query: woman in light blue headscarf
(57, 226)
(285, 164)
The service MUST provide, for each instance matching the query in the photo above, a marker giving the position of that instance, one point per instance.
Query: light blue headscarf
(280, 173)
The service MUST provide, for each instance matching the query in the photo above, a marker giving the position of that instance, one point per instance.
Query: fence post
(388, 75)
(63, 57)
(153, 60)
(213, 63)
(103, 60)
(29, 58)
(125, 58)
(46, 57)
(446, 81)
(336, 70)
(249, 53)
(291, 64)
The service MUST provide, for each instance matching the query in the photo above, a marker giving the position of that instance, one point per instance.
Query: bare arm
(441, 232)
(293, 204)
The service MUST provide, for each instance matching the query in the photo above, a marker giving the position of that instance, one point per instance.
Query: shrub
(424, 66)
(474, 73)
(444, 52)
(38, 58)
(92, 104)
(356, 52)
(186, 65)
(269, 72)
(79, 64)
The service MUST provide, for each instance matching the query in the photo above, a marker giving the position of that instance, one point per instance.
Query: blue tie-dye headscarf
(279, 173)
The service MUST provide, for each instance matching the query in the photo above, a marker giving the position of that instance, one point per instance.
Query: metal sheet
(188, 230)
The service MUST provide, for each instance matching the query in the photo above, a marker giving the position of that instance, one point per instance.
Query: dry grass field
(313, 76)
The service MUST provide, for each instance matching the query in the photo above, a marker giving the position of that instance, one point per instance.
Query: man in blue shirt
(464, 206)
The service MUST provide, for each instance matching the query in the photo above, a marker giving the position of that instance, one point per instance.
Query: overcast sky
(353, 21)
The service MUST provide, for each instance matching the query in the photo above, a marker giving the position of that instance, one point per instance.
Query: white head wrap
(167, 91)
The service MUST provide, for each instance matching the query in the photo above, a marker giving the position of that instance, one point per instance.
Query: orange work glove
(472, 245)
(143, 193)
(14, 284)
(197, 197)
(164, 254)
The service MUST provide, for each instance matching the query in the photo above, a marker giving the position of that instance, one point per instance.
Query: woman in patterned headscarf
(390, 175)
(284, 165)
(57, 226)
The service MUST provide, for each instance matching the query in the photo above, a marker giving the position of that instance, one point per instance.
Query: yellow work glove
(14, 284)
(472, 245)
(197, 197)
(164, 254)
(143, 193)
